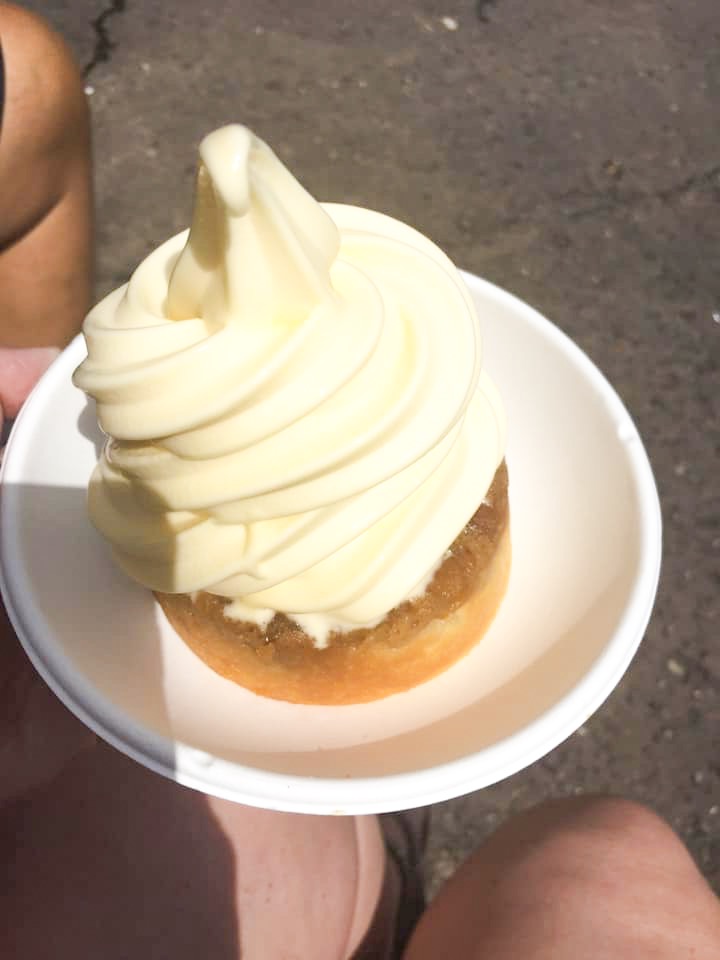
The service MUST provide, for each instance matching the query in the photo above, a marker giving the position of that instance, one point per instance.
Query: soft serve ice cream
(297, 416)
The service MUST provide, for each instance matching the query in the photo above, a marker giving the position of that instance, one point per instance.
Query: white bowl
(586, 535)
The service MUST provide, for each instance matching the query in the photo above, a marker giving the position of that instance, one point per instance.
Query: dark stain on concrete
(481, 9)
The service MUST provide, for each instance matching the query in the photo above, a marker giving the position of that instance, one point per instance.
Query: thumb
(20, 369)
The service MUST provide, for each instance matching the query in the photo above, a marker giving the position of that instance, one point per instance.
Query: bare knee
(574, 878)
(577, 849)
(602, 833)
(44, 124)
(46, 195)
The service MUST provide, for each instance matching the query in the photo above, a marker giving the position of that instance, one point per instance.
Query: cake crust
(417, 640)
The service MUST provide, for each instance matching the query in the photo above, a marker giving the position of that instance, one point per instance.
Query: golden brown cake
(415, 642)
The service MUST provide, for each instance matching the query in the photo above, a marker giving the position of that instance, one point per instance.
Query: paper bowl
(586, 535)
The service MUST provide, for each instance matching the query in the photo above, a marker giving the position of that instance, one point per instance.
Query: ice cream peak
(260, 248)
(293, 395)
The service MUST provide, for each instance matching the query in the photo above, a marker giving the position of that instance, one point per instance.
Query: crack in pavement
(696, 181)
(103, 43)
(701, 179)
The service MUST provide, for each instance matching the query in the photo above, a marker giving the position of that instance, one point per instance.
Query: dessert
(304, 457)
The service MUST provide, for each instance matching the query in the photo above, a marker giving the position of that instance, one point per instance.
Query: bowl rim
(366, 794)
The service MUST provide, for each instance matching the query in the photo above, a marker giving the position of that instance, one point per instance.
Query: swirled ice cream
(298, 419)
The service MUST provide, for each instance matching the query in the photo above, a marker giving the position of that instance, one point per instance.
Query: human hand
(20, 369)
(38, 736)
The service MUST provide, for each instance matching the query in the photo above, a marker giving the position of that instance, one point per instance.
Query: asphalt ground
(567, 150)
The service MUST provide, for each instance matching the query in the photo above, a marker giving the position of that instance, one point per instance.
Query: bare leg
(596, 879)
(45, 193)
(111, 861)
